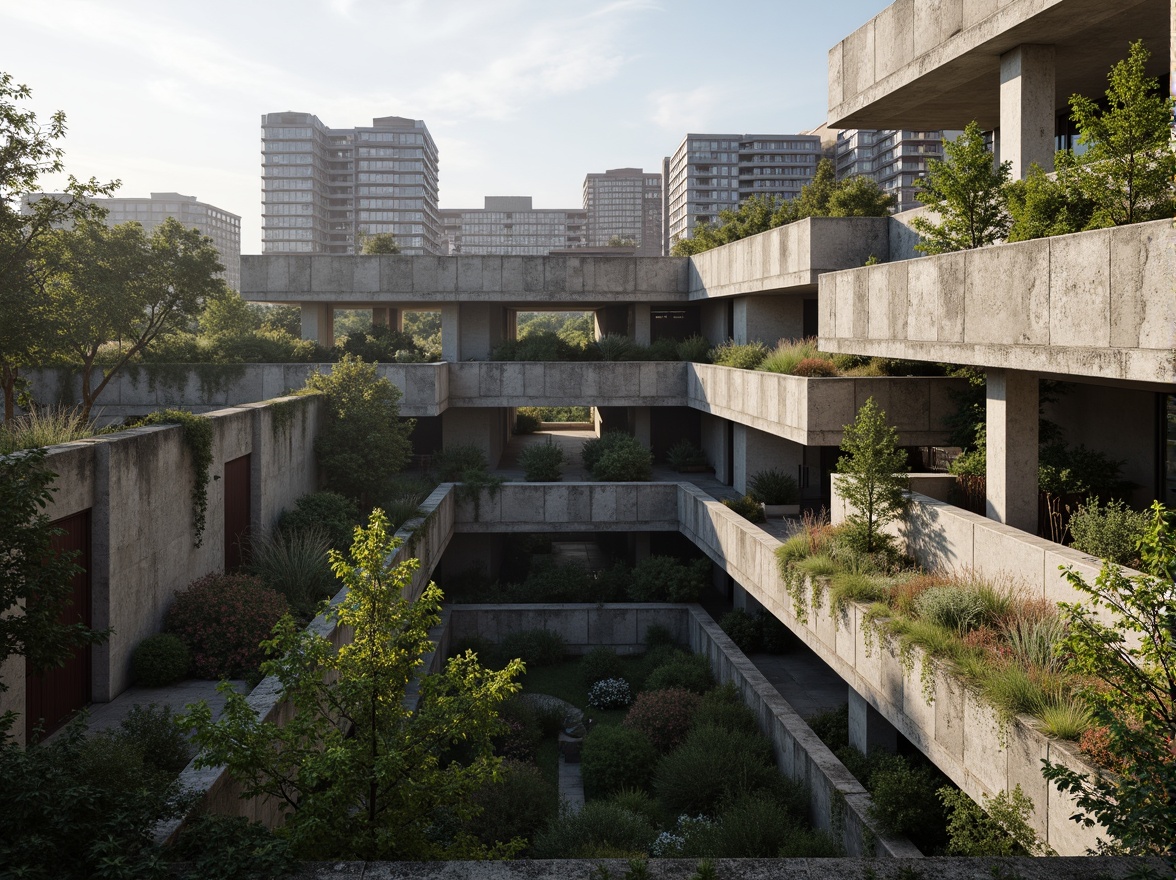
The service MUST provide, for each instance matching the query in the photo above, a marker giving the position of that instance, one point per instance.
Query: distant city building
(712, 172)
(510, 225)
(895, 159)
(625, 203)
(324, 189)
(218, 224)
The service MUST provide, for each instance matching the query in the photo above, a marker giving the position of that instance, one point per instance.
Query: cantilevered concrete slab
(936, 64)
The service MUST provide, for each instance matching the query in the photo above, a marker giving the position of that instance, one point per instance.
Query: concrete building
(894, 158)
(712, 172)
(625, 203)
(218, 224)
(511, 225)
(324, 189)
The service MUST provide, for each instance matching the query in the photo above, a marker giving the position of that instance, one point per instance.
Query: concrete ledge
(553, 383)
(572, 507)
(1095, 304)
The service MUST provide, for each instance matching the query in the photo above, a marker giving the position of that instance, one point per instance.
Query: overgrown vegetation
(197, 432)
(617, 457)
(873, 480)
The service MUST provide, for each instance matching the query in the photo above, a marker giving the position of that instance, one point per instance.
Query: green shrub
(666, 579)
(741, 355)
(613, 347)
(526, 423)
(610, 693)
(711, 766)
(451, 463)
(223, 618)
(755, 826)
(627, 462)
(614, 758)
(904, 797)
(657, 636)
(664, 716)
(535, 647)
(638, 801)
(601, 829)
(403, 506)
(154, 731)
(694, 348)
(600, 663)
(723, 707)
(593, 448)
(746, 630)
(518, 804)
(610, 584)
(224, 847)
(815, 368)
(688, 671)
(1111, 532)
(1000, 828)
(548, 582)
(540, 346)
(806, 843)
(541, 462)
(952, 607)
(747, 507)
(329, 512)
(832, 728)
(295, 564)
(773, 486)
(160, 660)
(685, 453)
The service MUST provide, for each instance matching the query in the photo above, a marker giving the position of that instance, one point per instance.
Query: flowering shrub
(223, 618)
(610, 693)
(664, 716)
(672, 844)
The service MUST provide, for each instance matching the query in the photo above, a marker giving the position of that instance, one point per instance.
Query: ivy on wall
(198, 438)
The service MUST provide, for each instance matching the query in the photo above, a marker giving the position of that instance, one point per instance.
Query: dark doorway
(676, 324)
(52, 697)
(237, 512)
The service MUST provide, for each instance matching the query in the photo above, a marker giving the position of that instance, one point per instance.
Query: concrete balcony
(552, 383)
(788, 258)
(359, 281)
(813, 412)
(1096, 304)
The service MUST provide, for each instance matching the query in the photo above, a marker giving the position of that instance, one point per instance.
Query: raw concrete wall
(572, 507)
(788, 257)
(959, 732)
(401, 281)
(486, 429)
(551, 383)
(1093, 304)
(768, 319)
(620, 626)
(813, 412)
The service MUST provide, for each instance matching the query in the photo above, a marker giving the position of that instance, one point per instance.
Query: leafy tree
(363, 443)
(1132, 667)
(1128, 167)
(380, 243)
(621, 242)
(967, 191)
(28, 150)
(35, 580)
(117, 283)
(360, 774)
(873, 481)
(1041, 207)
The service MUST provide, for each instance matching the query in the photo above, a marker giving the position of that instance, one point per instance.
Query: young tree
(35, 580)
(967, 191)
(363, 443)
(29, 150)
(1127, 169)
(361, 774)
(873, 481)
(1132, 667)
(1040, 207)
(118, 284)
(380, 243)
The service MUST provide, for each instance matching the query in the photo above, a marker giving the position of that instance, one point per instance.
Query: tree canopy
(380, 243)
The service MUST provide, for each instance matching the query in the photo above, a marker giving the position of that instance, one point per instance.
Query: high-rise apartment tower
(625, 203)
(325, 189)
(512, 226)
(895, 158)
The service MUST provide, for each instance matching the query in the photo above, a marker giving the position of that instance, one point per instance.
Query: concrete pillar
(744, 601)
(451, 333)
(387, 316)
(1027, 86)
(641, 424)
(641, 324)
(482, 326)
(869, 731)
(1012, 416)
(318, 323)
(756, 450)
(713, 432)
(768, 319)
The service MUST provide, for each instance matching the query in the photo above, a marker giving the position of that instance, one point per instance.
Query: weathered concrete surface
(1097, 304)
(572, 507)
(366, 281)
(549, 383)
(813, 412)
(788, 258)
(936, 65)
(956, 729)
(738, 869)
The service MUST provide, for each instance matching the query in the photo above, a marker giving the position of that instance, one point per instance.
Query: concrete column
(641, 424)
(481, 328)
(1012, 416)
(744, 601)
(318, 323)
(641, 324)
(451, 333)
(869, 731)
(1027, 86)
(387, 316)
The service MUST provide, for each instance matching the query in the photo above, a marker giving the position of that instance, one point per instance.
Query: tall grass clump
(44, 427)
(787, 356)
(741, 355)
(294, 563)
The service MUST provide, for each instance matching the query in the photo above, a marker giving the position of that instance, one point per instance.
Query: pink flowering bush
(223, 618)
(664, 716)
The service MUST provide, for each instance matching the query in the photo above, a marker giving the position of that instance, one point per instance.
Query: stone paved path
(571, 785)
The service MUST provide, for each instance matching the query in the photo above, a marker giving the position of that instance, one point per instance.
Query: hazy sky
(523, 97)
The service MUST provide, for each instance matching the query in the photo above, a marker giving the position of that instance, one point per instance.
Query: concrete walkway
(571, 785)
(108, 716)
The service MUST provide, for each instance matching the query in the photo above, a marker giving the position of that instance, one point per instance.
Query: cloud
(685, 111)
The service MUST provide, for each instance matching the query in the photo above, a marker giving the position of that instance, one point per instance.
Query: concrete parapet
(557, 383)
(571, 507)
(1095, 304)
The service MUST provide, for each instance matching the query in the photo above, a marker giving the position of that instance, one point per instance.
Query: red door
(53, 696)
(237, 512)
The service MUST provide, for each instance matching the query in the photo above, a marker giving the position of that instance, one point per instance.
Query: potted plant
(777, 491)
